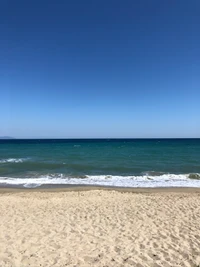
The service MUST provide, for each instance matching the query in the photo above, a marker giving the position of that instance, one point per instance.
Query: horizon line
(86, 138)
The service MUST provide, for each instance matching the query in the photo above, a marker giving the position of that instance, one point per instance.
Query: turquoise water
(120, 162)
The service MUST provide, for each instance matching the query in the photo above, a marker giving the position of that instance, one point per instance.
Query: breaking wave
(13, 160)
(160, 180)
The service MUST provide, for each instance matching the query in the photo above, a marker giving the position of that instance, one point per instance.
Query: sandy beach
(100, 228)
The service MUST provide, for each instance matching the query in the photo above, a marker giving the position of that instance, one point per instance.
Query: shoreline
(81, 188)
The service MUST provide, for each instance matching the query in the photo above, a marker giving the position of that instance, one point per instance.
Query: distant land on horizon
(6, 137)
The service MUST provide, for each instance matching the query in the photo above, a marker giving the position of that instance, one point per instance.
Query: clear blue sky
(99, 68)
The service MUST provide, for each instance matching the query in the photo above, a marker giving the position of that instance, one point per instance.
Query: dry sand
(100, 228)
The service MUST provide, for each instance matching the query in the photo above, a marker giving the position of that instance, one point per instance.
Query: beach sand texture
(99, 228)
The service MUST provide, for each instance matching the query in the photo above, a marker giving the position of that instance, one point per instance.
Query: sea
(132, 163)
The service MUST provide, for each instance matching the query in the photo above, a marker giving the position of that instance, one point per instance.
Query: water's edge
(81, 188)
(145, 181)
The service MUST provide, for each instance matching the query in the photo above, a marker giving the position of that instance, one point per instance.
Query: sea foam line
(13, 160)
(166, 180)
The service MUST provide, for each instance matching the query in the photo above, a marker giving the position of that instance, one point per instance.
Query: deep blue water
(83, 158)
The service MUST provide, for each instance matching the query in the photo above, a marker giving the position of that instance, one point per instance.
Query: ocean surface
(108, 162)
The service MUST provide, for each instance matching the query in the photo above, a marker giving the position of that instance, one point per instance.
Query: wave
(13, 160)
(165, 180)
(195, 176)
(153, 173)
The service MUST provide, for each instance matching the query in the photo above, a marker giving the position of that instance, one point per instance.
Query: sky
(99, 69)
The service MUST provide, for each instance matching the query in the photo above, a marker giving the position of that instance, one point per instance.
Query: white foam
(165, 180)
(13, 160)
(29, 185)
